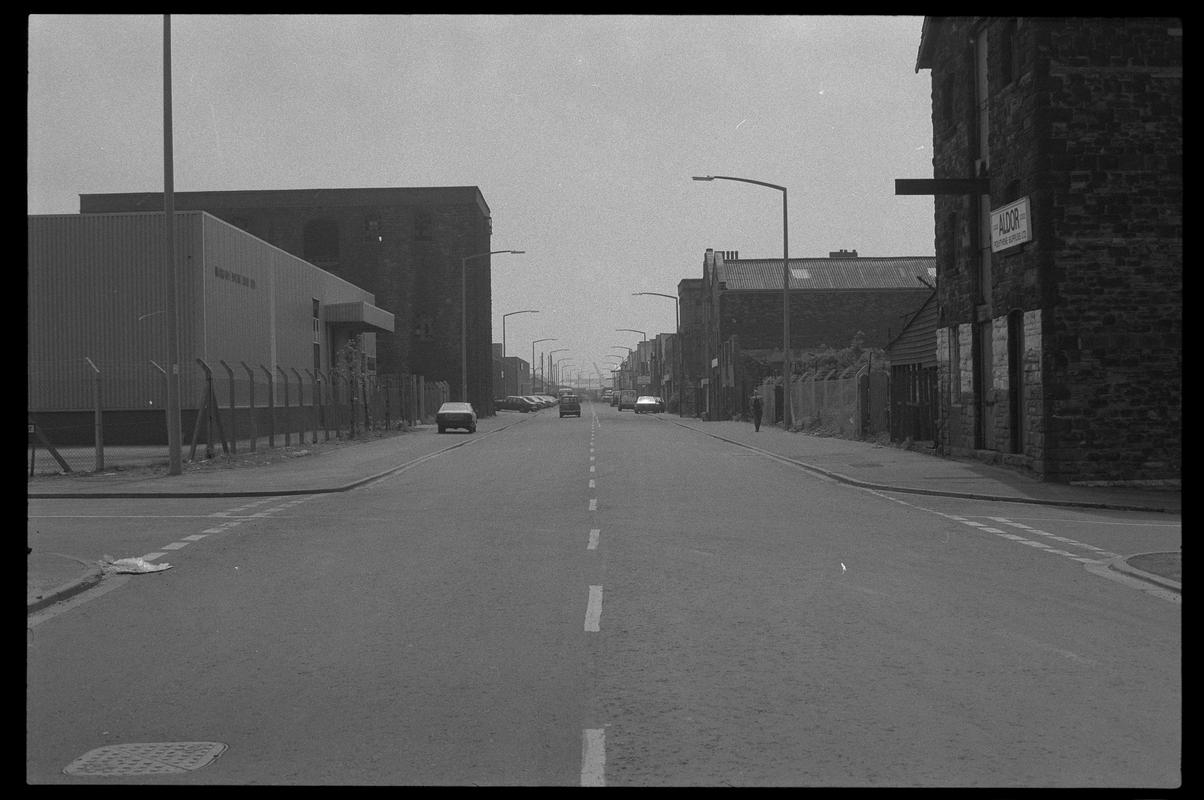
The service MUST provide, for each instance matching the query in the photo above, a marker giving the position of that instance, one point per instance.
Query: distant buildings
(737, 313)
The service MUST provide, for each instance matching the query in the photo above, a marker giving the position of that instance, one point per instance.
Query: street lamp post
(544, 388)
(505, 379)
(677, 327)
(556, 369)
(786, 367)
(550, 354)
(464, 317)
(633, 330)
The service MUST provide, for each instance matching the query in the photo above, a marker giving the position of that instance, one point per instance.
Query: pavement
(342, 466)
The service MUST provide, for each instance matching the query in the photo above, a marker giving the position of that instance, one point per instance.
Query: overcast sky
(582, 133)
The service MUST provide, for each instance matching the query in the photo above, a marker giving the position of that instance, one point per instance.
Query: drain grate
(146, 758)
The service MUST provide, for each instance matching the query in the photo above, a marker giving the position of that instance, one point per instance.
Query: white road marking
(593, 504)
(152, 556)
(196, 537)
(592, 468)
(593, 539)
(592, 483)
(593, 611)
(593, 757)
(175, 545)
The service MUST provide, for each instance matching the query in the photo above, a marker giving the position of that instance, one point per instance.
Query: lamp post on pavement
(677, 327)
(505, 379)
(550, 354)
(633, 330)
(786, 367)
(542, 386)
(464, 317)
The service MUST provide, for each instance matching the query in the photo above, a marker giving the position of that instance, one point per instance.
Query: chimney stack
(842, 253)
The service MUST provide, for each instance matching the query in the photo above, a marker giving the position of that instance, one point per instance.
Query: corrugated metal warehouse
(97, 289)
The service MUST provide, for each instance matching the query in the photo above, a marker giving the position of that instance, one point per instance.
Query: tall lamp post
(627, 358)
(464, 317)
(786, 367)
(633, 330)
(556, 369)
(506, 380)
(544, 387)
(677, 327)
(550, 354)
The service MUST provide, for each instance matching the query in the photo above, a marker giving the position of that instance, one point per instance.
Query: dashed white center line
(592, 483)
(593, 757)
(593, 504)
(593, 611)
(593, 539)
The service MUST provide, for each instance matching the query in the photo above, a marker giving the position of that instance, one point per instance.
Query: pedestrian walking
(757, 408)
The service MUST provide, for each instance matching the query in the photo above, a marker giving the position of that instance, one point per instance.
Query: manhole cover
(146, 758)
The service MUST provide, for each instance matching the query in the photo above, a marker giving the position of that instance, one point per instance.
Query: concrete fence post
(288, 428)
(271, 406)
(98, 430)
(233, 418)
(253, 432)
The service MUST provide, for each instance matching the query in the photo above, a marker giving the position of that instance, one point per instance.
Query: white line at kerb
(593, 757)
(593, 611)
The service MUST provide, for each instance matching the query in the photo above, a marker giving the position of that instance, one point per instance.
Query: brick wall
(1088, 126)
(818, 319)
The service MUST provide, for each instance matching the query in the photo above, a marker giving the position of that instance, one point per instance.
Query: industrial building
(97, 288)
(407, 246)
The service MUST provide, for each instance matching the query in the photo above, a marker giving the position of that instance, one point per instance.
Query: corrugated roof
(765, 274)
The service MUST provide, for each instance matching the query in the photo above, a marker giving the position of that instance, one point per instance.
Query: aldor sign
(1009, 225)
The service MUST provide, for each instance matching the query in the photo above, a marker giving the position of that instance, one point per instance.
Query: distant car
(551, 400)
(647, 404)
(627, 399)
(570, 406)
(456, 415)
(537, 400)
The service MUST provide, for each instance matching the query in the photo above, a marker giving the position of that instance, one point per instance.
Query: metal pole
(787, 412)
(174, 461)
(98, 418)
(233, 419)
(253, 434)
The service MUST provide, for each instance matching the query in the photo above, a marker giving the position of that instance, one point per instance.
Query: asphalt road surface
(610, 600)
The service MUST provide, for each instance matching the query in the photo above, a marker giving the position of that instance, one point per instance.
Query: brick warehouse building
(404, 245)
(831, 301)
(1057, 154)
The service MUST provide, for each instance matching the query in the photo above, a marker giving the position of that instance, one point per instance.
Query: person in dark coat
(757, 408)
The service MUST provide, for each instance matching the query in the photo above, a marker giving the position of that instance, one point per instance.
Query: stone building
(1057, 166)
(404, 245)
(832, 300)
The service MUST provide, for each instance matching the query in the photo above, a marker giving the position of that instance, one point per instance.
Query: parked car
(570, 406)
(614, 398)
(646, 404)
(627, 399)
(537, 400)
(456, 415)
(550, 400)
(660, 403)
(515, 403)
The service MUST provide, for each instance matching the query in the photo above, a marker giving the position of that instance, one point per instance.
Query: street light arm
(741, 180)
(658, 294)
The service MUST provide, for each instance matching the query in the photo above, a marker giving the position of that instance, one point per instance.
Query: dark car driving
(570, 406)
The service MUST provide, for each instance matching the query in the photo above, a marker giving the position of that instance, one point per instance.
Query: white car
(456, 415)
(647, 405)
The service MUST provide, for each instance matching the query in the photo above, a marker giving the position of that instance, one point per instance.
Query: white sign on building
(1009, 225)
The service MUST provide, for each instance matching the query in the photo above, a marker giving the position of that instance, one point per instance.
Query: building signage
(1010, 226)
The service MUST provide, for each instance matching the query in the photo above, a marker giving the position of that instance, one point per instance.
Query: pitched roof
(765, 274)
